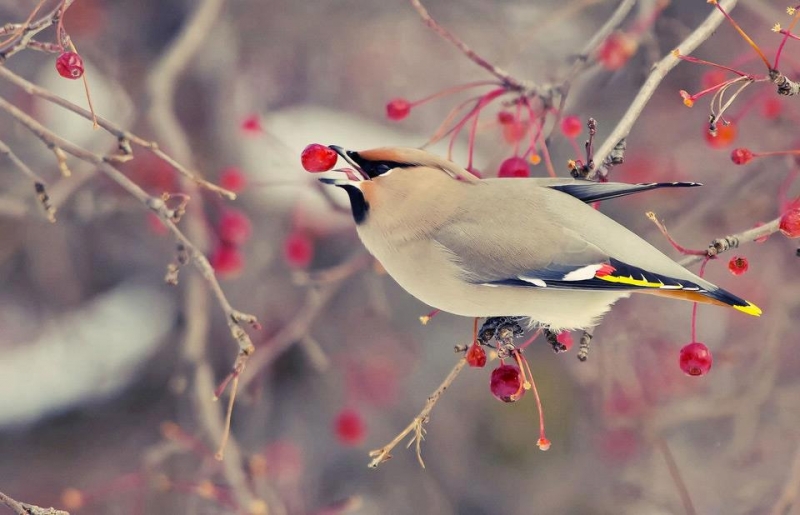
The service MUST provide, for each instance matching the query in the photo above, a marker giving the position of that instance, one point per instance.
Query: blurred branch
(675, 474)
(381, 455)
(168, 216)
(330, 282)
(38, 182)
(23, 33)
(21, 508)
(789, 494)
(659, 72)
(124, 137)
(161, 85)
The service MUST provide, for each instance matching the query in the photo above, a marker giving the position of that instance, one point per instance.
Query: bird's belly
(426, 272)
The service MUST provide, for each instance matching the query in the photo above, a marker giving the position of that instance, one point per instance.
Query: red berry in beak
(318, 158)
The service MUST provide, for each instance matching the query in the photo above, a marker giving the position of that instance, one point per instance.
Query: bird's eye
(382, 168)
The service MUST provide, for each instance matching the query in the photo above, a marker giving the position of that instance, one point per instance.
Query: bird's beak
(352, 159)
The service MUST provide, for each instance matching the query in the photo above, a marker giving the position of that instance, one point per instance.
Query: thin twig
(720, 245)
(383, 454)
(659, 72)
(54, 141)
(675, 474)
(445, 34)
(21, 508)
(162, 84)
(789, 493)
(123, 136)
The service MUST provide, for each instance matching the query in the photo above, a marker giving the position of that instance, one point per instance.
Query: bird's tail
(717, 296)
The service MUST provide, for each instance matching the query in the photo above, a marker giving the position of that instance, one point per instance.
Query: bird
(508, 247)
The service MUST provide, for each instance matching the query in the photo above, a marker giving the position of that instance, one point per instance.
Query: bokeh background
(98, 398)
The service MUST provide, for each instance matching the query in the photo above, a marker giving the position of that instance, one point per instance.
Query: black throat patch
(358, 204)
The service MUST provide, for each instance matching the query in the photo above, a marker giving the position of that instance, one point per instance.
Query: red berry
(790, 221)
(738, 265)
(726, 134)
(713, 78)
(514, 167)
(349, 427)
(298, 249)
(398, 108)
(571, 126)
(227, 260)
(514, 131)
(476, 356)
(616, 50)
(234, 227)
(69, 65)
(318, 158)
(695, 359)
(232, 179)
(506, 383)
(252, 124)
(741, 156)
(771, 108)
(504, 117)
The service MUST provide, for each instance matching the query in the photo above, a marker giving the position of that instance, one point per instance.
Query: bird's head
(401, 179)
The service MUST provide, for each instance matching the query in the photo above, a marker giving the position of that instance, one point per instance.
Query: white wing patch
(582, 274)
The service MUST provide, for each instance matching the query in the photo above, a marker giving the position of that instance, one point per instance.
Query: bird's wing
(591, 191)
(528, 242)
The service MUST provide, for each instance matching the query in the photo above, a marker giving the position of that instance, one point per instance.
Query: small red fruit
(504, 117)
(318, 158)
(349, 427)
(616, 50)
(227, 260)
(771, 108)
(514, 167)
(234, 227)
(476, 356)
(726, 134)
(741, 156)
(398, 108)
(232, 179)
(790, 221)
(69, 65)
(695, 359)
(252, 124)
(298, 249)
(506, 383)
(738, 265)
(571, 126)
(514, 131)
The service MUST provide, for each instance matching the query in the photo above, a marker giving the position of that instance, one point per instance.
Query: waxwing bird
(508, 247)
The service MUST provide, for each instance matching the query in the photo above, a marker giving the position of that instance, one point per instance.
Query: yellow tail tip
(750, 309)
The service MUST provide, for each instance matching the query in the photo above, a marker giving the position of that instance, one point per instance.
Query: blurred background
(101, 405)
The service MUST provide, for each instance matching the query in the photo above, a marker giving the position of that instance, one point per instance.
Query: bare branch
(675, 474)
(124, 137)
(21, 508)
(383, 454)
(659, 72)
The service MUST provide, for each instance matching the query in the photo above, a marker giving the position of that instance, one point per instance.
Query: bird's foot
(583, 348)
(502, 329)
(552, 339)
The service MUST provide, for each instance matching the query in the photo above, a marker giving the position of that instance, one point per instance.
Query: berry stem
(453, 90)
(742, 33)
(786, 33)
(663, 228)
(696, 60)
(694, 307)
(543, 443)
